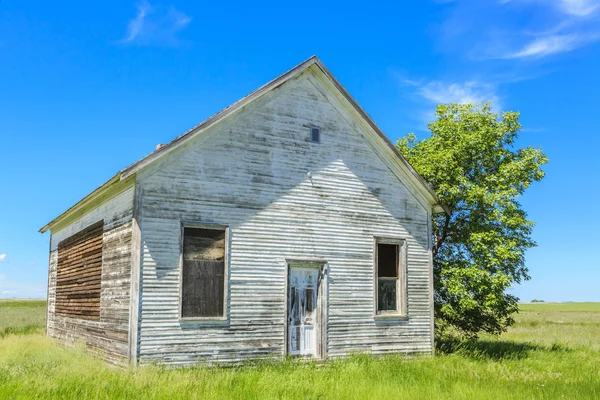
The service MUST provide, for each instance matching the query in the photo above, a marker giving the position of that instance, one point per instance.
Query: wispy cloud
(155, 25)
(580, 8)
(438, 91)
(427, 94)
(2, 257)
(547, 45)
(21, 289)
(520, 29)
(453, 92)
(574, 26)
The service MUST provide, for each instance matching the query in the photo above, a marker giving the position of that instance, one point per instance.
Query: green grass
(22, 316)
(549, 354)
(567, 307)
(576, 325)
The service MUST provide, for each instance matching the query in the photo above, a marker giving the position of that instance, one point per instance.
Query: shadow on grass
(25, 330)
(496, 350)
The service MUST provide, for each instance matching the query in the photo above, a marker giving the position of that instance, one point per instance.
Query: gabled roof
(128, 172)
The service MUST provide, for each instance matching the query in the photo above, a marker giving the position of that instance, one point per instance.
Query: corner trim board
(135, 284)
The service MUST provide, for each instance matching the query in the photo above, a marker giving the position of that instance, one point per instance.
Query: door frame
(321, 309)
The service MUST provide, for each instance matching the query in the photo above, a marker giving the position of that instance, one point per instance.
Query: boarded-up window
(203, 274)
(389, 276)
(79, 273)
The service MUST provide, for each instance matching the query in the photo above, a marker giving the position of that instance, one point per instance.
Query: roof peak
(241, 103)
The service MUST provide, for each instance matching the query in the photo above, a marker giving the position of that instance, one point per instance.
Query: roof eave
(436, 205)
(218, 117)
(108, 189)
(131, 170)
(441, 209)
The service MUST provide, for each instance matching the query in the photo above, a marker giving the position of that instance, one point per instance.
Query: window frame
(310, 134)
(401, 286)
(200, 225)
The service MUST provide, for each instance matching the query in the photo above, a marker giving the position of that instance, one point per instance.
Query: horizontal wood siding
(107, 335)
(253, 175)
(79, 273)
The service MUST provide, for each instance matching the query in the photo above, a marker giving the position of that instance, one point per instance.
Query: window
(79, 274)
(390, 276)
(315, 134)
(203, 273)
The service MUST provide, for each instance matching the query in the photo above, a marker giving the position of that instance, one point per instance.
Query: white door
(302, 311)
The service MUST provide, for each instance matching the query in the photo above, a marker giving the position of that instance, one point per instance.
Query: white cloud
(155, 26)
(466, 92)
(579, 8)
(21, 289)
(2, 257)
(520, 29)
(429, 93)
(135, 26)
(437, 91)
(545, 46)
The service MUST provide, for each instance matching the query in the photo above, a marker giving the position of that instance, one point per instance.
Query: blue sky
(86, 88)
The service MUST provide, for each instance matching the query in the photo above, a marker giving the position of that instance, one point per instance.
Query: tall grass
(22, 316)
(522, 364)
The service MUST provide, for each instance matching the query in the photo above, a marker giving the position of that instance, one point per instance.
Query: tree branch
(438, 240)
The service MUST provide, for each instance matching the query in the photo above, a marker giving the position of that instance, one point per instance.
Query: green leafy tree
(479, 247)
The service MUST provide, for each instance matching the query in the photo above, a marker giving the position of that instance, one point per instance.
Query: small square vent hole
(315, 134)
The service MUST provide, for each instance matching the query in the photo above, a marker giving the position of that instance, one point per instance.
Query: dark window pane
(310, 304)
(315, 134)
(386, 294)
(295, 337)
(203, 275)
(203, 244)
(387, 260)
(295, 307)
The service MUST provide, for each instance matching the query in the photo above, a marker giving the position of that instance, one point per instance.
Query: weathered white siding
(107, 336)
(252, 174)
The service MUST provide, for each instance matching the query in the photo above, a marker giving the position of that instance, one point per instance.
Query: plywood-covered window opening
(79, 273)
(203, 273)
(390, 277)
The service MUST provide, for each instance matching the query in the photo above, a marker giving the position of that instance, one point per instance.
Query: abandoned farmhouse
(286, 224)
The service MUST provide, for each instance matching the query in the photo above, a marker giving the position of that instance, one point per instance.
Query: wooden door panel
(302, 311)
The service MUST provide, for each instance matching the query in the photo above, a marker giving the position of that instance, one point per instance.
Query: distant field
(542, 307)
(22, 316)
(572, 324)
(552, 352)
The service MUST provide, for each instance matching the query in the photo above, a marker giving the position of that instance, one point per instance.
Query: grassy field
(22, 316)
(551, 353)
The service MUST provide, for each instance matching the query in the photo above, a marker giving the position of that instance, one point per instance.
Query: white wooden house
(286, 224)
